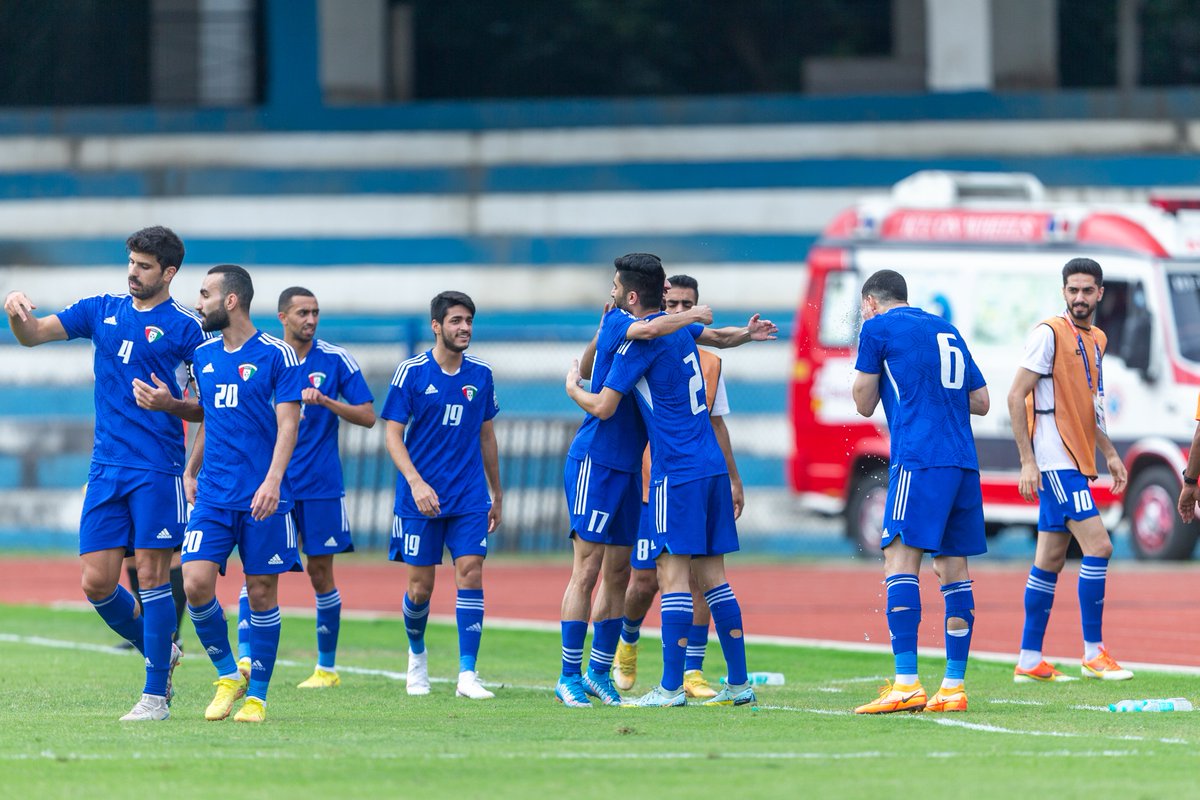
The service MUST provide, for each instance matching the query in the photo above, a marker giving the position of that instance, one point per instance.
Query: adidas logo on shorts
(331, 542)
(483, 542)
(275, 560)
(213, 650)
(163, 534)
(474, 627)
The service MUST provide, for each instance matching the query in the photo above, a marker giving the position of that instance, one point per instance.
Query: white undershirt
(1048, 447)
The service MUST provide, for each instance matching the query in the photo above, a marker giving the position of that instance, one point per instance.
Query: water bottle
(1168, 704)
(763, 678)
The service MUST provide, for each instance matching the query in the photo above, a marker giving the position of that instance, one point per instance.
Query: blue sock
(264, 644)
(468, 612)
(960, 603)
(727, 619)
(117, 610)
(573, 634)
(329, 620)
(158, 625)
(631, 630)
(415, 619)
(605, 634)
(904, 592)
(1039, 599)
(697, 644)
(676, 619)
(1093, 572)
(213, 633)
(243, 627)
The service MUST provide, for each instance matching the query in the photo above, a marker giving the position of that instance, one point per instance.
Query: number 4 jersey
(442, 415)
(926, 377)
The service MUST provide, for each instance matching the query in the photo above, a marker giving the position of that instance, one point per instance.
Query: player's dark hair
(642, 273)
(445, 301)
(235, 280)
(886, 286)
(160, 242)
(286, 296)
(1083, 266)
(685, 282)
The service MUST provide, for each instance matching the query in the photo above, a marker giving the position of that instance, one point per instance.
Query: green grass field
(59, 735)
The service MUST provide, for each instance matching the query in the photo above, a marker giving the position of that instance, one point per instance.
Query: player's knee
(1100, 549)
(419, 592)
(97, 587)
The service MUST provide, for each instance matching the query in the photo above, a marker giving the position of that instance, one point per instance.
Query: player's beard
(1082, 312)
(144, 291)
(451, 343)
(216, 320)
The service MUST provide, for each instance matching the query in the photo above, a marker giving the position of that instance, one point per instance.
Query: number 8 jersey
(926, 377)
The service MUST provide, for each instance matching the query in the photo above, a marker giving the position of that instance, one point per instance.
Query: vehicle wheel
(864, 511)
(1158, 534)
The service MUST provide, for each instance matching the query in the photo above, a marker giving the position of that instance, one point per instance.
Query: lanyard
(1087, 369)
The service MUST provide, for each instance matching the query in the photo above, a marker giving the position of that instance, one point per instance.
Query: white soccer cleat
(470, 687)
(417, 682)
(150, 708)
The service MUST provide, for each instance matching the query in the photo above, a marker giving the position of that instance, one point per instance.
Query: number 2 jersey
(238, 391)
(926, 377)
(130, 344)
(442, 415)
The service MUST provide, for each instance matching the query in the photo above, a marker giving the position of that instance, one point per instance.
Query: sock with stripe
(468, 612)
(213, 632)
(329, 620)
(1039, 599)
(1093, 573)
(904, 618)
(960, 604)
(415, 618)
(631, 630)
(727, 619)
(243, 628)
(605, 633)
(118, 611)
(573, 634)
(676, 619)
(697, 644)
(264, 646)
(158, 625)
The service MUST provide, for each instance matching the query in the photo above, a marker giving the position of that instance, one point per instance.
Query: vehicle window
(840, 309)
(1185, 301)
(1112, 313)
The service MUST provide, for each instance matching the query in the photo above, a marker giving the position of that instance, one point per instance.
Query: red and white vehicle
(986, 251)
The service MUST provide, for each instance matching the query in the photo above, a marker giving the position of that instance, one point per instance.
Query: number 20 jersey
(442, 415)
(926, 377)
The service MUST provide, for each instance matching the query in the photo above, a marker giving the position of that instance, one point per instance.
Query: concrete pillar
(355, 36)
(1024, 44)
(959, 45)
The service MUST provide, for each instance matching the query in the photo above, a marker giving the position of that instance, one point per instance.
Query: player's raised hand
(761, 329)
(18, 305)
(152, 398)
(312, 397)
(702, 314)
(265, 500)
(425, 498)
(607, 308)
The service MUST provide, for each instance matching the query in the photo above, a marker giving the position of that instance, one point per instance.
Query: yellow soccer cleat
(695, 685)
(1042, 673)
(321, 679)
(254, 710)
(228, 691)
(1105, 668)
(948, 700)
(625, 666)
(896, 697)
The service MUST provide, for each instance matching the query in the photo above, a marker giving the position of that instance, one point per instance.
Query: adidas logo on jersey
(431, 389)
(275, 560)
(331, 542)
(207, 368)
(163, 534)
(110, 320)
(474, 627)
(323, 629)
(213, 650)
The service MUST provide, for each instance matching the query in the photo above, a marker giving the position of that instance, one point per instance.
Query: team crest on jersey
(316, 379)
(247, 371)
(469, 392)
(153, 333)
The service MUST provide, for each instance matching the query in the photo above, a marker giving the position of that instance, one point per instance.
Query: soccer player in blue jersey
(250, 386)
(315, 472)
(439, 412)
(919, 367)
(134, 498)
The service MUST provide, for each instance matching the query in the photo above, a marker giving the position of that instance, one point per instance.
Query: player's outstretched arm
(29, 330)
(360, 414)
(192, 470)
(866, 392)
(266, 498)
(756, 329)
(424, 496)
(159, 398)
(1031, 478)
(601, 406)
(980, 402)
(491, 468)
(721, 430)
(1116, 467)
(669, 323)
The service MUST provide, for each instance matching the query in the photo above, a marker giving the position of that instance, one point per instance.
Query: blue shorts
(694, 518)
(420, 540)
(131, 509)
(603, 503)
(324, 526)
(937, 509)
(646, 549)
(1064, 494)
(266, 548)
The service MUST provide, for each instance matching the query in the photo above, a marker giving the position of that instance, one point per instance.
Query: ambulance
(985, 251)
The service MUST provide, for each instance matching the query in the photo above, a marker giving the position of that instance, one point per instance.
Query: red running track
(1151, 612)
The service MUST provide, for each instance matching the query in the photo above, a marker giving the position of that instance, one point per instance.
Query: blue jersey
(236, 390)
(669, 386)
(927, 375)
(442, 415)
(619, 441)
(129, 344)
(315, 471)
